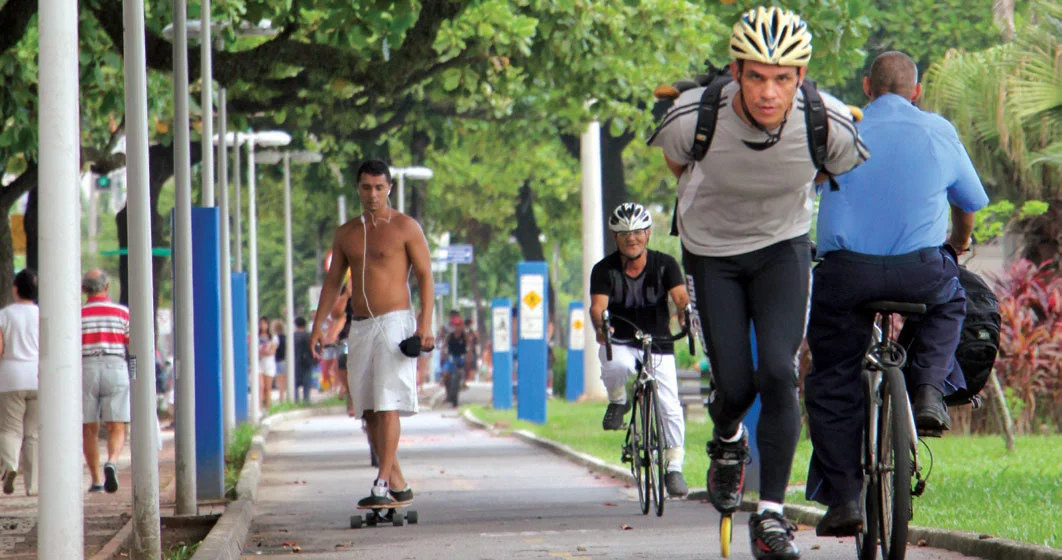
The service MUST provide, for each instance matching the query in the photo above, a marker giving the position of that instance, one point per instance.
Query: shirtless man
(380, 248)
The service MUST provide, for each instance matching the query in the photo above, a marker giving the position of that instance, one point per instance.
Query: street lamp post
(273, 157)
(422, 173)
(271, 138)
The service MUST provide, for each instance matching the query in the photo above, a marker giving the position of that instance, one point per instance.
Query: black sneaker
(676, 485)
(613, 419)
(110, 478)
(843, 520)
(726, 472)
(378, 496)
(771, 537)
(402, 496)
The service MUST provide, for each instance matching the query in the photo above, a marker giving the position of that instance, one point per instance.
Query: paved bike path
(478, 496)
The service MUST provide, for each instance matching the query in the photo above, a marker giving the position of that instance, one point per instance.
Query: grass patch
(299, 405)
(181, 552)
(235, 455)
(975, 484)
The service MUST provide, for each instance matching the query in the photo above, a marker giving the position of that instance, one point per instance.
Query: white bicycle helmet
(771, 36)
(630, 216)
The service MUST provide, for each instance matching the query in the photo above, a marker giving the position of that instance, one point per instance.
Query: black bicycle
(645, 444)
(890, 440)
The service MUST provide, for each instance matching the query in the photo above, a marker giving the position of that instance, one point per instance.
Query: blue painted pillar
(501, 329)
(573, 377)
(533, 288)
(206, 288)
(239, 343)
(752, 420)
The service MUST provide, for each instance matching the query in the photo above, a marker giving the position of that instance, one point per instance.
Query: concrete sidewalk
(105, 514)
(479, 495)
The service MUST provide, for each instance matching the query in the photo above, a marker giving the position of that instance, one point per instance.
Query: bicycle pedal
(922, 432)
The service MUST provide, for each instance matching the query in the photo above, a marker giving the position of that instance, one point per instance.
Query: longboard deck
(396, 505)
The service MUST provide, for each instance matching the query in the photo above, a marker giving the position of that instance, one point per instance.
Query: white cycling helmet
(630, 216)
(771, 36)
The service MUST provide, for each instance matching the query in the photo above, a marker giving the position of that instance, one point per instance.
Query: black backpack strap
(817, 123)
(707, 114)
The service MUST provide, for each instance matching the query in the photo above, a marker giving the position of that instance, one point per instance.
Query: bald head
(892, 72)
(94, 282)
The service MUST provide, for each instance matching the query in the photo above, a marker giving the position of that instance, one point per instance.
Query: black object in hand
(410, 346)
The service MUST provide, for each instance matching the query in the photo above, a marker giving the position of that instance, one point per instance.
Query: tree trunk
(415, 190)
(528, 234)
(477, 309)
(160, 171)
(1043, 234)
(9, 195)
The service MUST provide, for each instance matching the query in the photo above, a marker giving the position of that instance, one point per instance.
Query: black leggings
(769, 287)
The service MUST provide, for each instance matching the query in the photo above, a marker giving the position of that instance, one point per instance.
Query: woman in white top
(19, 358)
(267, 361)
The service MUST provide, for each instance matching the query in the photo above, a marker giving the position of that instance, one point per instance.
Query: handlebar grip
(607, 329)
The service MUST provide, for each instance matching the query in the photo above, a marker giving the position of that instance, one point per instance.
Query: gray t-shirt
(739, 199)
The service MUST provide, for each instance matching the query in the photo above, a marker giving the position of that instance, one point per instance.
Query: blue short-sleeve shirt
(898, 201)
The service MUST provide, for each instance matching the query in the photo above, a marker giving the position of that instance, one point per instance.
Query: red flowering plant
(1030, 349)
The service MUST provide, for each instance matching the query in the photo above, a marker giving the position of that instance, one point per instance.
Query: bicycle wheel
(867, 539)
(635, 437)
(645, 452)
(655, 447)
(894, 467)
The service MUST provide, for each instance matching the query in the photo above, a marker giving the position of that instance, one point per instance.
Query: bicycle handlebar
(643, 337)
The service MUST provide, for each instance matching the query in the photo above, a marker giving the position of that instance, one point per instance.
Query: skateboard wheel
(355, 522)
(412, 517)
(371, 521)
(398, 521)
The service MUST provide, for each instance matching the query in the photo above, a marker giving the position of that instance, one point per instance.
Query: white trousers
(614, 374)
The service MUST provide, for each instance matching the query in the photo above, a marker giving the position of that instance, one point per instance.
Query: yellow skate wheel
(726, 534)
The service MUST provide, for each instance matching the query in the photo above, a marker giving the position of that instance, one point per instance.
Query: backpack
(979, 337)
(713, 81)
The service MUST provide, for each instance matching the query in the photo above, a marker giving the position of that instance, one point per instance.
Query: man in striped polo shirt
(105, 377)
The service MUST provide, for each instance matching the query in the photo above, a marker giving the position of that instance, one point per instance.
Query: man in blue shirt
(881, 236)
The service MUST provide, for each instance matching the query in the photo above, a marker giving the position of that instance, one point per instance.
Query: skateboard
(384, 514)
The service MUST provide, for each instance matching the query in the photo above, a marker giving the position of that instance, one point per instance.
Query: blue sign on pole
(206, 293)
(239, 344)
(533, 288)
(459, 254)
(501, 329)
(573, 376)
(442, 289)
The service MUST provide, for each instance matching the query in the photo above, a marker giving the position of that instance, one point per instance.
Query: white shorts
(268, 367)
(379, 375)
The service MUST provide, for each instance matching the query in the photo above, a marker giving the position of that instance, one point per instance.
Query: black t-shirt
(641, 300)
(456, 344)
(282, 348)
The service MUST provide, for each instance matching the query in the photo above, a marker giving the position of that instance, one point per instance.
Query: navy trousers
(838, 335)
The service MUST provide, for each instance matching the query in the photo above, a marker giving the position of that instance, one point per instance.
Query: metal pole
(252, 283)
(228, 368)
(237, 225)
(147, 535)
(453, 285)
(593, 249)
(206, 72)
(60, 533)
(289, 284)
(342, 209)
(182, 271)
(402, 192)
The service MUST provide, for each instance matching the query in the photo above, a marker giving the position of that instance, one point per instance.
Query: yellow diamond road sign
(532, 299)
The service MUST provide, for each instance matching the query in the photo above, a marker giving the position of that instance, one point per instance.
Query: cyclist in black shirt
(634, 283)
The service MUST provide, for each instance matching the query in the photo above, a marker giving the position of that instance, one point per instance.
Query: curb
(971, 544)
(225, 541)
